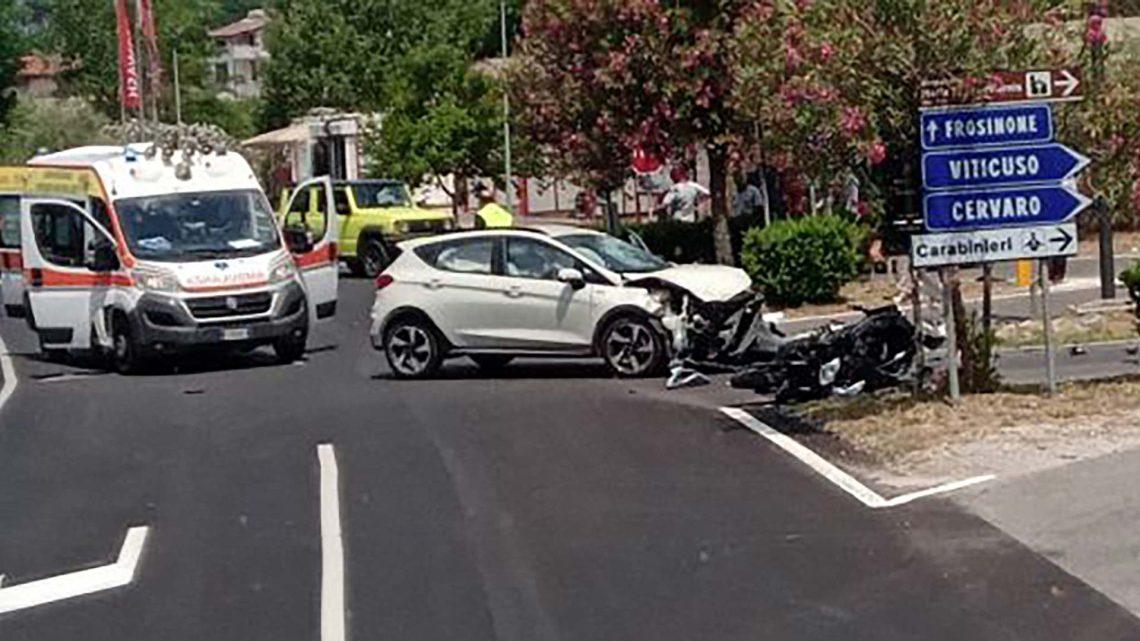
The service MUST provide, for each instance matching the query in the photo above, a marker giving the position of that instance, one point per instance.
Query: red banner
(129, 89)
(150, 41)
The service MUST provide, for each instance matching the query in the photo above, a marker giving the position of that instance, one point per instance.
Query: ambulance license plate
(239, 334)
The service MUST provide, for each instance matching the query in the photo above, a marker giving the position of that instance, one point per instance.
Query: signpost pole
(951, 336)
(1107, 268)
(916, 300)
(1050, 355)
(987, 297)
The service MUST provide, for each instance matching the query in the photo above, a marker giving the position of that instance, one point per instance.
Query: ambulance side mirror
(298, 239)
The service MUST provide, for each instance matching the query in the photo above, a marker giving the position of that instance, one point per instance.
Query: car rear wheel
(632, 347)
(373, 257)
(413, 348)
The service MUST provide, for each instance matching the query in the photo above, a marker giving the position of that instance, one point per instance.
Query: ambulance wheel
(125, 354)
(290, 350)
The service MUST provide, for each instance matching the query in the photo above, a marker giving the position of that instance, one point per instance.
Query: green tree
(51, 124)
(11, 47)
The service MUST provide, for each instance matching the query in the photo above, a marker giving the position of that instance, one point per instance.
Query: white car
(552, 291)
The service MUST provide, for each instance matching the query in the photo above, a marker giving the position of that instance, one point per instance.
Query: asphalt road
(549, 503)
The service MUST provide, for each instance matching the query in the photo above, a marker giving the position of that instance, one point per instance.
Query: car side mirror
(421, 202)
(103, 258)
(298, 239)
(572, 277)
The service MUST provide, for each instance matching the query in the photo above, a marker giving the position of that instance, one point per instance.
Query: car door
(463, 295)
(310, 235)
(70, 263)
(11, 260)
(542, 311)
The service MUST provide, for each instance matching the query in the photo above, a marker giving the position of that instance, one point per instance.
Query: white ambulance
(138, 255)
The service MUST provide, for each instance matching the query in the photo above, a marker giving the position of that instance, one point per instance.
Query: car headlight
(449, 224)
(400, 227)
(155, 279)
(283, 271)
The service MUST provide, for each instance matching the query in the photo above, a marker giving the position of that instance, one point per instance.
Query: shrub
(804, 260)
(682, 242)
(1131, 279)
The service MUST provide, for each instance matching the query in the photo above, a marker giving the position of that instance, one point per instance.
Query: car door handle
(434, 283)
(514, 292)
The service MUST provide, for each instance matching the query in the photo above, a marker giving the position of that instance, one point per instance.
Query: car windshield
(616, 255)
(221, 224)
(389, 194)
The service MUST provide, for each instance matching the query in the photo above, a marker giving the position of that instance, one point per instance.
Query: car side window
(340, 200)
(301, 202)
(472, 256)
(64, 237)
(530, 258)
(9, 222)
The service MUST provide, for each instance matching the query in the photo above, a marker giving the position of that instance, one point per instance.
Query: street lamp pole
(507, 176)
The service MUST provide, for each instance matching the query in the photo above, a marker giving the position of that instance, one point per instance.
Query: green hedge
(1131, 279)
(691, 242)
(805, 260)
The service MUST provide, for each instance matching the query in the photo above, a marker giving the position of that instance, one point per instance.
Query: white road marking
(68, 586)
(332, 548)
(65, 378)
(826, 469)
(9, 374)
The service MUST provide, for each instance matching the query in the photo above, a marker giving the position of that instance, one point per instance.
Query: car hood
(409, 213)
(707, 282)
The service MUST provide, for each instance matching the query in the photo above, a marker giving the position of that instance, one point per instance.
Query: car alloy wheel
(632, 348)
(411, 350)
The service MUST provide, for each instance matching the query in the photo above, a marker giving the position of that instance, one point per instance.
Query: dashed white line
(332, 548)
(829, 471)
(67, 586)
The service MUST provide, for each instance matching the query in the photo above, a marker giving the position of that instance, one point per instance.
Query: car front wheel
(413, 348)
(632, 347)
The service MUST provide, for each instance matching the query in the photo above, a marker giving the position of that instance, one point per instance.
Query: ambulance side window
(62, 234)
(9, 222)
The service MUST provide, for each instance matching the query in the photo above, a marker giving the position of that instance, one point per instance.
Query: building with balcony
(241, 54)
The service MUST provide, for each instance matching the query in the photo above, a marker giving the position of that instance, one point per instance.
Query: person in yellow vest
(491, 213)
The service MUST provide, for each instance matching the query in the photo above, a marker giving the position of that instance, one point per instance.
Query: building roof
(255, 20)
(34, 65)
(296, 132)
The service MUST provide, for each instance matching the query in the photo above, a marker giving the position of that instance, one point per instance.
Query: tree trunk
(718, 185)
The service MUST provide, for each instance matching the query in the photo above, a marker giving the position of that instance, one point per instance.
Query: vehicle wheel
(632, 347)
(413, 348)
(289, 350)
(125, 353)
(355, 267)
(492, 362)
(373, 256)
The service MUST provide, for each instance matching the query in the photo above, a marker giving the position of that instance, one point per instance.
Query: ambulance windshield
(198, 226)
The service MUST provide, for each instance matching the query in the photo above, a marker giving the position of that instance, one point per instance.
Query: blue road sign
(1001, 166)
(976, 127)
(994, 208)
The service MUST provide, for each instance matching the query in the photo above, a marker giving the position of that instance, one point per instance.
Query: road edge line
(8, 372)
(75, 584)
(332, 547)
(817, 463)
(832, 473)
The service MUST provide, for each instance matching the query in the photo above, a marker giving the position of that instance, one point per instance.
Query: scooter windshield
(198, 226)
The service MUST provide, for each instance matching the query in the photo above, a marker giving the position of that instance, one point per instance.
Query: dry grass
(895, 427)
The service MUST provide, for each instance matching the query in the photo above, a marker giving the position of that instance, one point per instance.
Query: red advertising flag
(150, 41)
(129, 90)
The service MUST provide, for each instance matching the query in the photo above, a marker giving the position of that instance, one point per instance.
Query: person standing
(681, 200)
(748, 200)
(491, 214)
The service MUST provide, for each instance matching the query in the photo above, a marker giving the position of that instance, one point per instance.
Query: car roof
(496, 232)
(561, 229)
(367, 181)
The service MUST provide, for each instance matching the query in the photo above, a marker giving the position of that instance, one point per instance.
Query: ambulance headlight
(154, 279)
(282, 272)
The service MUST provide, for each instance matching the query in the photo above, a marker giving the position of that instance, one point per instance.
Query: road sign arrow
(1008, 207)
(987, 126)
(1068, 83)
(1001, 166)
(1063, 241)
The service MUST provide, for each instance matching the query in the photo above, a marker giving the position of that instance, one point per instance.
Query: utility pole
(1098, 11)
(507, 175)
(177, 92)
